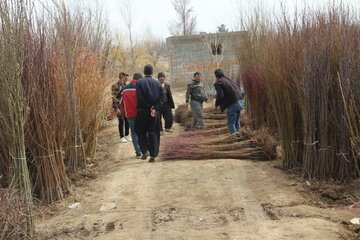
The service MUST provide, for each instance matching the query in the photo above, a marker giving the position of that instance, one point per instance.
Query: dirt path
(212, 199)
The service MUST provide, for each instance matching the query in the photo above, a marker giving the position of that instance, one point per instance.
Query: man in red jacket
(129, 107)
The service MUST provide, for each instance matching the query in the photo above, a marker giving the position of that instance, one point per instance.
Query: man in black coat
(168, 104)
(150, 97)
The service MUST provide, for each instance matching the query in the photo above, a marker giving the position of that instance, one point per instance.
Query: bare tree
(119, 53)
(215, 44)
(185, 22)
(126, 13)
(154, 48)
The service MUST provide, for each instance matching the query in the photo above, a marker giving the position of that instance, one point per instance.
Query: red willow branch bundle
(253, 78)
(327, 149)
(206, 131)
(208, 144)
(45, 130)
(184, 115)
(81, 45)
(349, 85)
(282, 69)
(316, 86)
(311, 67)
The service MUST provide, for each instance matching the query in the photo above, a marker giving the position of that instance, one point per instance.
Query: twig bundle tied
(245, 144)
(215, 142)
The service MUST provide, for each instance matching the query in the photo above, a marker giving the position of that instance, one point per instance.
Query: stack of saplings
(215, 142)
(311, 92)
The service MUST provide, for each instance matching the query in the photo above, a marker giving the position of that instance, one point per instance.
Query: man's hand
(152, 112)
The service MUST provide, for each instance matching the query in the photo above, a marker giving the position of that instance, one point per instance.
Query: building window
(216, 49)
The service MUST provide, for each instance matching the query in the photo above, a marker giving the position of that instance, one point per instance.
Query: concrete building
(203, 53)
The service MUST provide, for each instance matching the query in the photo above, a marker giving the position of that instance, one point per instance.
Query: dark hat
(148, 69)
(123, 74)
(161, 74)
(219, 73)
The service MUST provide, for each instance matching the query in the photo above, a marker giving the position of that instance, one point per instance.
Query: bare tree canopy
(126, 14)
(185, 22)
(154, 48)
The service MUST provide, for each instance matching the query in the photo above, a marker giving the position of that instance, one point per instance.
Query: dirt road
(209, 199)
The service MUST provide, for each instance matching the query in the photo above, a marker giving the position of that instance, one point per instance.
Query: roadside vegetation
(56, 68)
(301, 77)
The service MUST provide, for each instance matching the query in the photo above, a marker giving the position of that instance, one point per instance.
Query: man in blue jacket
(150, 97)
(228, 96)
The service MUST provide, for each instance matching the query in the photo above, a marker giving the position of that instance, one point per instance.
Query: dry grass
(12, 217)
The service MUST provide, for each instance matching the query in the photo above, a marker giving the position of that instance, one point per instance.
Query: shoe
(168, 130)
(128, 138)
(144, 156)
(138, 156)
(152, 159)
(123, 140)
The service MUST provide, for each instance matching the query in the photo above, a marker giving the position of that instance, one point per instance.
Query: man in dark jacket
(168, 104)
(228, 96)
(150, 97)
(195, 94)
(116, 90)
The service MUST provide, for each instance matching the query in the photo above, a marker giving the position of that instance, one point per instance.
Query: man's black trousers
(166, 113)
(148, 130)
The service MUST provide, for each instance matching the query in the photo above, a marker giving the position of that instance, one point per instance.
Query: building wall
(189, 54)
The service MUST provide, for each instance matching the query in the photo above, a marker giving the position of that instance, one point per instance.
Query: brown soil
(121, 197)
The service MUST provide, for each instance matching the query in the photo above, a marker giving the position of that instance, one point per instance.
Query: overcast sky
(155, 15)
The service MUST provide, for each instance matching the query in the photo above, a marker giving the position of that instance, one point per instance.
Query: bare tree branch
(185, 22)
(126, 13)
(154, 48)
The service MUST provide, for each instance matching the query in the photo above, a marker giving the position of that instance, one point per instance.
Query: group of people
(228, 97)
(139, 106)
(142, 103)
